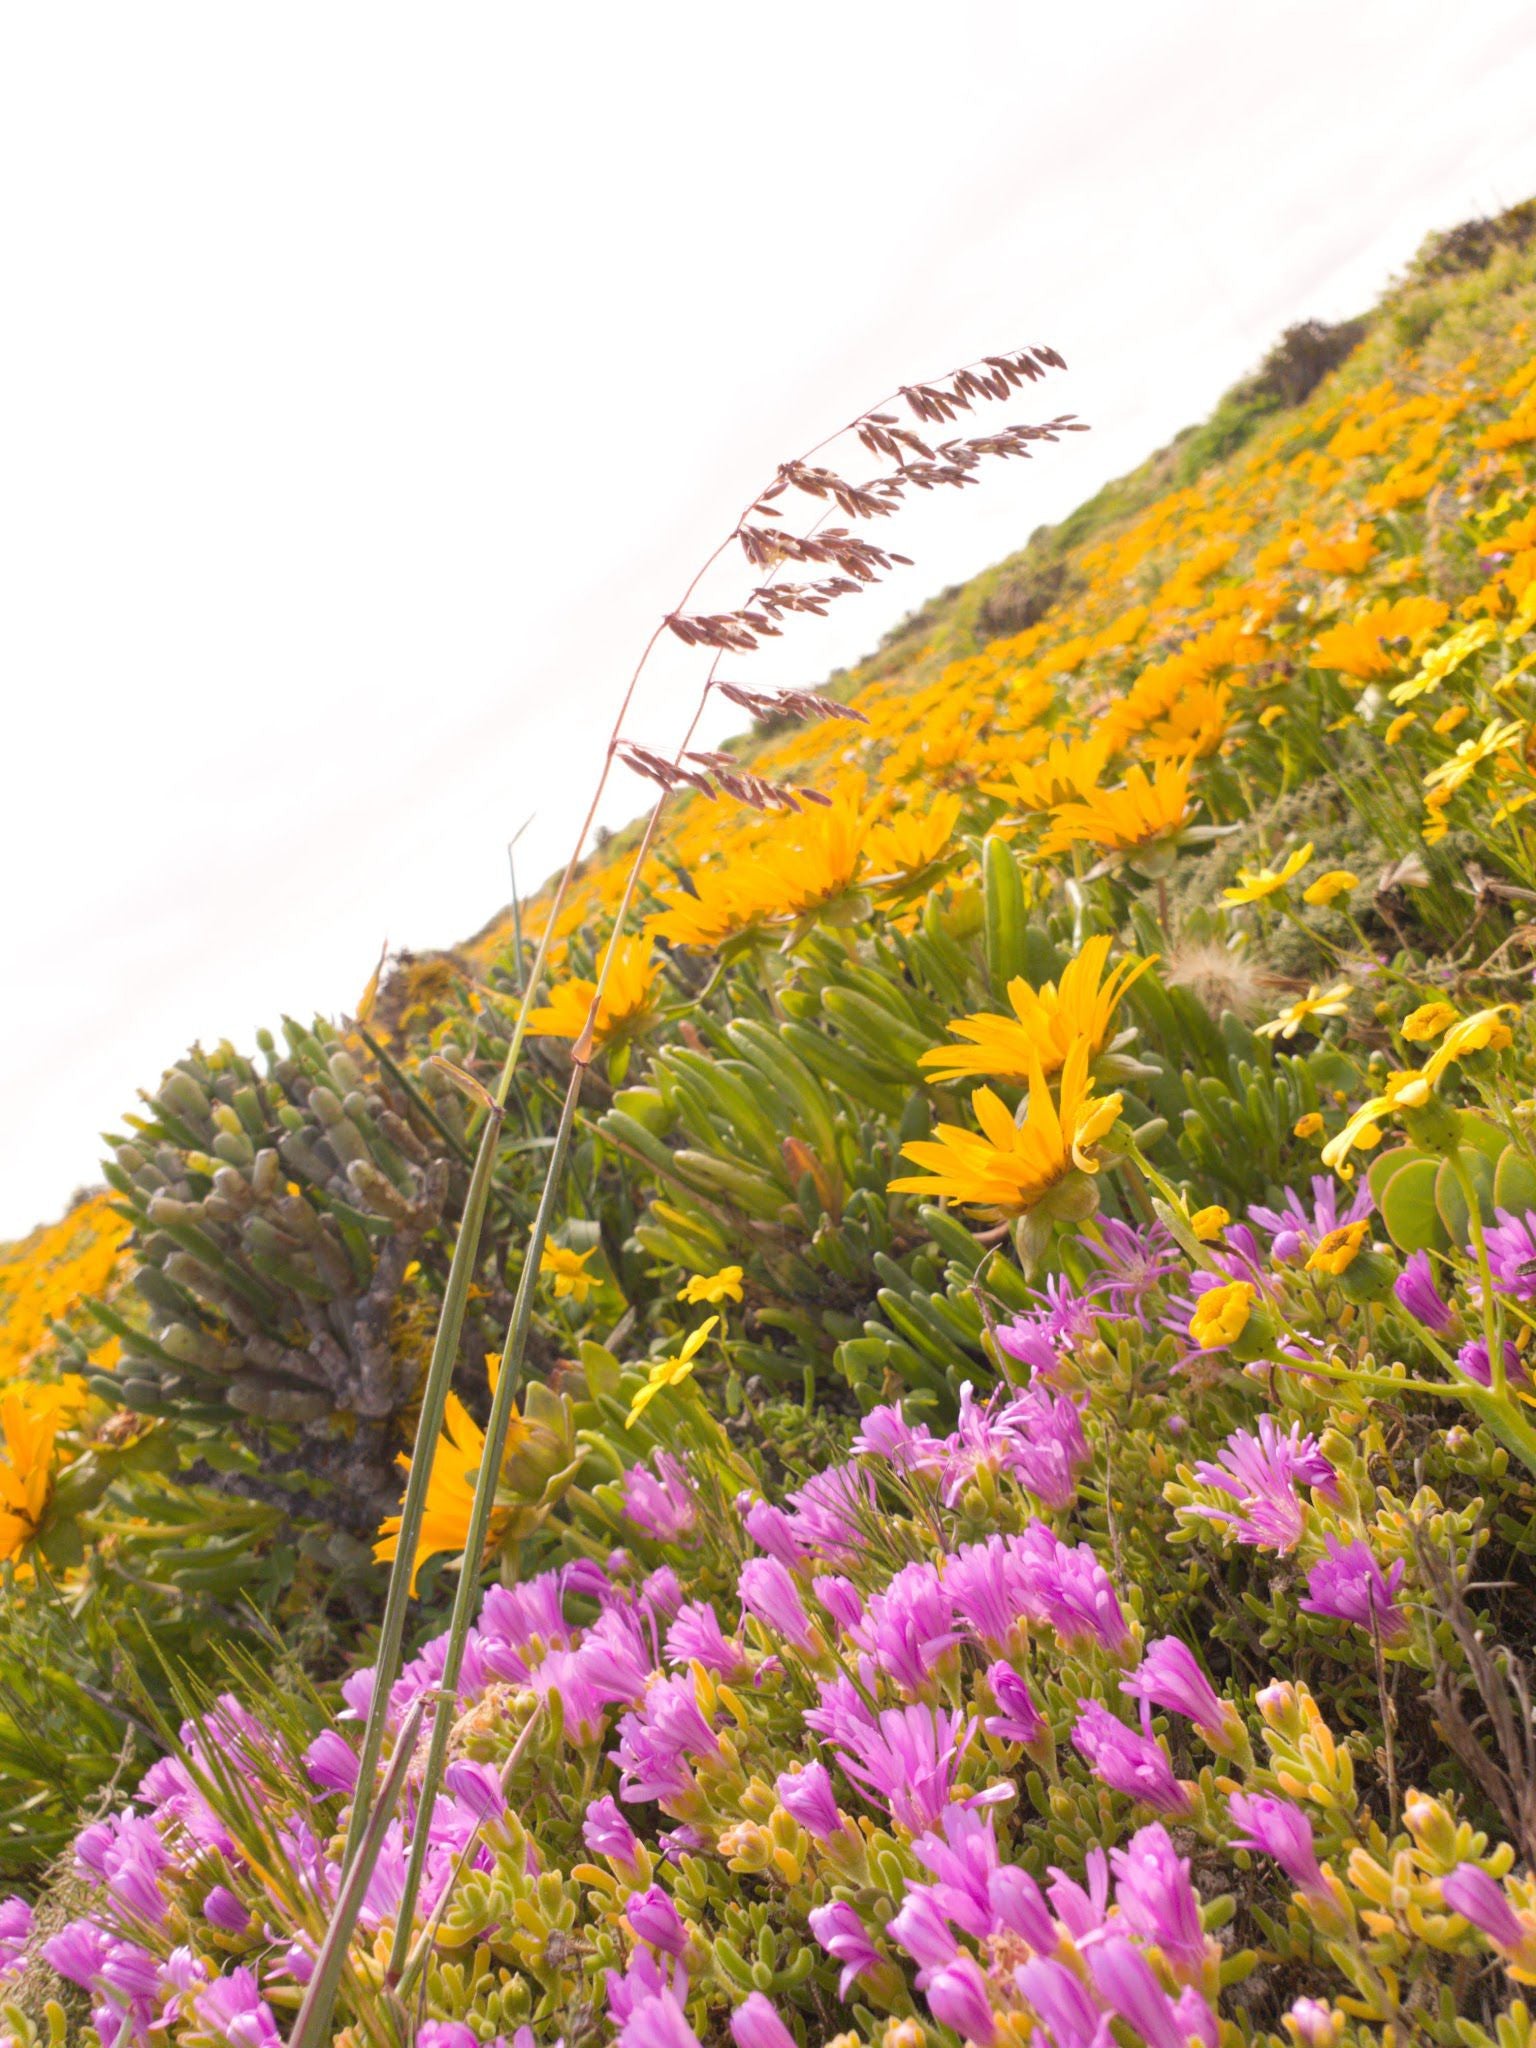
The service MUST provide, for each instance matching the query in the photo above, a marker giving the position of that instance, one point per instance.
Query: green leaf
(1406, 1199)
(1451, 1201)
(1514, 1182)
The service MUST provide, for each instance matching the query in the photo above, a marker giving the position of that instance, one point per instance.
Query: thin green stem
(467, 1593)
(1492, 1331)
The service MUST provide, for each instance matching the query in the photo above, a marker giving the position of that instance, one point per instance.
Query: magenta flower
(332, 1762)
(756, 2024)
(771, 1595)
(908, 1760)
(1472, 1893)
(845, 1938)
(1063, 2003)
(15, 1931)
(583, 1681)
(1512, 1254)
(659, 1500)
(697, 1637)
(957, 1997)
(1068, 1588)
(1316, 2024)
(1348, 1585)
(657, 2022)
(656, 1920)
(644, 1978)
(841, 1718)
(1035, 1436)
(887, 1434)
(1082, 1909)
(772, 1530)
(834, 1512)
(807, 1796)
(1156, 1899)
(232, 2009)
(657, 1742)
(477, 1787)
(1048, 1445)
(1262, 1473)
(922, 1927)
(1415, 1288)
(1038, 1336)
(606, 1832)
(985, 1581)
(1134, 1764)
(1017, 1719)
(1277, 1828)
(962, 1855)
(909, 1627)
(223, 1910)
(841, 1598)
(1123, 1978)
(1134, 1263)
(1472, 1359)
(1169, 1677)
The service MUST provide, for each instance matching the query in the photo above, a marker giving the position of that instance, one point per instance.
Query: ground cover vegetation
(903, 1411)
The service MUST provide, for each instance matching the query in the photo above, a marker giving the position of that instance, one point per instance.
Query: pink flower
(1277, 1828)
(908, 1761)
(1261, 1473)
(1169, 1677)
(1133, 1764)
(1348, 1585)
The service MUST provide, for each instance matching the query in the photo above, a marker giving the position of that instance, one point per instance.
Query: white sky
(372, 376)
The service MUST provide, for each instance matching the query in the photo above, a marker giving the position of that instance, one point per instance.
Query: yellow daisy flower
(1337, 882)
(1336, 1250)
(1010, 1167)
(1254, 884)
(1428, 1021)
(1221, 1315)
(572, 1280)
(712, 1287)
(670, 1372)
(1046, 1022)
(1333, 1002)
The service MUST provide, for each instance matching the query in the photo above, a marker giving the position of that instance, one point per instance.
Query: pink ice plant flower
(1349, 1585)
(1261, 1473)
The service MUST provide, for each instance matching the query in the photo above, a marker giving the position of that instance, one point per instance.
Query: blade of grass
(312, 2026)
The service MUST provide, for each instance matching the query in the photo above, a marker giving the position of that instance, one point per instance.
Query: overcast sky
(371, 377)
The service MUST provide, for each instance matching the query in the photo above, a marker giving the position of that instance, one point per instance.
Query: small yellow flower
(1308, 1126)
(1221, 1315)
(1208, 1224)
(1496, 737)
(1427, 1022)
(1399, 726)
(1254, 884)
(1272, 715)
(1483, 1031)
(572, 1280)
(1337, 882)
(1336, 1251)
(1333, 1002)
(1410, 1087)
(713, 1287)
(1449, 720)
(670, 1372)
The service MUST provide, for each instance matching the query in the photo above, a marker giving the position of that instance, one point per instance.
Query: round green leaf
(1406, 1200)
